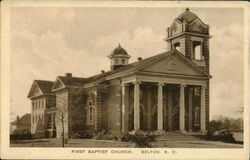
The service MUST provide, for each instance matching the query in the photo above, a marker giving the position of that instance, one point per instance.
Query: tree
(61, 114)
(77, 103)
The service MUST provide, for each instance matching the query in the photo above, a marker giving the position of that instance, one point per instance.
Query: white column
(170, 122)
(149, 108)
(137, 106)
(160, 108)
(203, 110)
(182, 107)
(190, 110)
(124, 108)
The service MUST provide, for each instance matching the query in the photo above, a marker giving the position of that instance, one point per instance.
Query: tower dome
(187, 16)
(119, 51)
(119, 57)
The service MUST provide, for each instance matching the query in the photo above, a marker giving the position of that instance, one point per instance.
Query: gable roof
(76, 81)
(44, 86)
(72, 81)
(129, 68)
(25, 119)
(139, 65)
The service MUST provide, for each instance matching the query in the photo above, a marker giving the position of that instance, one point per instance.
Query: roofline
(192, 63)
(57, 78)
(131, 71)
(173, 75)
(45, 94)
(34, 82)
(119, 56)
(66, 87)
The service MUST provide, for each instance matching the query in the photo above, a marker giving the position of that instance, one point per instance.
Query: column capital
(136, 82)
(183, 85)
(161, 84)
(204, 86)
(124, 84)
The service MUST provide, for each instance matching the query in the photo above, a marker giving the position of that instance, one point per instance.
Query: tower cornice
(188, 33)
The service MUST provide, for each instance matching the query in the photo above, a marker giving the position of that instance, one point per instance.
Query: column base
(203, 132)
(135, 131)
(183, 131)
(160, 132)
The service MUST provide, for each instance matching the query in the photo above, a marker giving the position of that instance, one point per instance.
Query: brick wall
(62, 104)
(113, 101)
(206, 53)
(207, 104)
(97, 111)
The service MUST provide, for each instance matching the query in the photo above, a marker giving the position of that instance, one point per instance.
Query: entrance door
(172, 109)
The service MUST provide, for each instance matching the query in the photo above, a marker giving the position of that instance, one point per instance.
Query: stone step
(177, 136)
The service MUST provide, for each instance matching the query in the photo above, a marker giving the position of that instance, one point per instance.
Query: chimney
(139, 58)
(102, 71)
(17, 118)
(68, 74)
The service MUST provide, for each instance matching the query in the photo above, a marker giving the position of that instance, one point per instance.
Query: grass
(88, 143)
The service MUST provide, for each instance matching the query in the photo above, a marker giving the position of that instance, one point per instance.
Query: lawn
(88, 143)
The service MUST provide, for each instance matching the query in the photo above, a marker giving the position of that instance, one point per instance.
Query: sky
(50, 41)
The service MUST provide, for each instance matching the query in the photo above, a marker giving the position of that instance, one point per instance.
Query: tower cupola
(119, 58)
(190, 36)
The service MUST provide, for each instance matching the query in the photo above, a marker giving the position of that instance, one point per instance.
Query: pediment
(198, 26)
(176, 27)
(35, 90)
(58, 84)
(174, 64)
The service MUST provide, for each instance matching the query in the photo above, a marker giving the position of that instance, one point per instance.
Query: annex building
(165, 92)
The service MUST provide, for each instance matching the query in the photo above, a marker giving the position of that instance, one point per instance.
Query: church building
(166, 92)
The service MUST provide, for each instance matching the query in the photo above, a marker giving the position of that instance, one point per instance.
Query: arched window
(172, 66)
(42, 103)
(90, 110)
(197, 50)
(177, 46)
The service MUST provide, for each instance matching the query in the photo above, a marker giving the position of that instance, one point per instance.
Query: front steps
(178, 136)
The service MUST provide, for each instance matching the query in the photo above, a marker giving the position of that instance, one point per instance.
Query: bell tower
(190, 36)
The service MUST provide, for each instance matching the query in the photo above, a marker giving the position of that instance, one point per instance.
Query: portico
(166, 112)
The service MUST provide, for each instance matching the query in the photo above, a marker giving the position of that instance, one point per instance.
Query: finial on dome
(187, 9)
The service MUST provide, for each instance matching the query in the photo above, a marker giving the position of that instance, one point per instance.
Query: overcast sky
(47, 42)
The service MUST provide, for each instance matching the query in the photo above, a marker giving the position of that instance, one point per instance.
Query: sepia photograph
(124, 77)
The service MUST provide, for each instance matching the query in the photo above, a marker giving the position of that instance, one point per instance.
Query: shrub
(125, 137)
(140, 138)
(222, 135)
(21, 135)
(105, 135)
